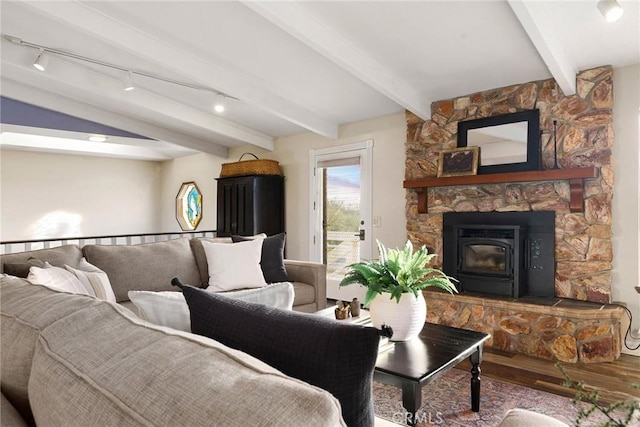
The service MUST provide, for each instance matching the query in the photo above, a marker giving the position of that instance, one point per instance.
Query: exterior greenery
(398, 272)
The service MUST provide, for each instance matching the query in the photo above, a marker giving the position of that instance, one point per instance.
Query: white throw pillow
(57, 279)
(235, 266)
(164, 308)
(94, 279)
(167, 308)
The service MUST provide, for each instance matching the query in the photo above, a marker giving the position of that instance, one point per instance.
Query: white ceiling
(295, 66)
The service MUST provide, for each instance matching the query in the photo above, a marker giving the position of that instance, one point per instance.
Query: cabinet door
(235, 206)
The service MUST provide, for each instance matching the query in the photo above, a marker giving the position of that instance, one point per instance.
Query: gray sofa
(74, 360)
(151, 266)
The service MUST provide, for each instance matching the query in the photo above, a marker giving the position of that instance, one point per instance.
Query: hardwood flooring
(614, 380)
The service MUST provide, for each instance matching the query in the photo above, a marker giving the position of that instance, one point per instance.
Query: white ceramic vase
(406, 317)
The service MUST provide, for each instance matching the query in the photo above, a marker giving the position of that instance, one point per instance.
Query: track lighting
(41, 61)
(610, 9)
(127, 81)
(219, 105)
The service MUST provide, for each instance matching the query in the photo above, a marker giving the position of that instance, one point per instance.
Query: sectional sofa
(151, 266)
(73, 359)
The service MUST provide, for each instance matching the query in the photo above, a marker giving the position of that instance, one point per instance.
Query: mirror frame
(532, 117)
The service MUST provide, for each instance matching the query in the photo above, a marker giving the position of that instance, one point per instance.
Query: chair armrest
(312, 273)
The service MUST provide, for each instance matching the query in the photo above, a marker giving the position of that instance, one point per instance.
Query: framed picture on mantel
(459, 161)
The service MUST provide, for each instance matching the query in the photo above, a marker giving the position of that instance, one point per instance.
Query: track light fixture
(41, 61)
(127, 81)
(610, 9)
(219, 106)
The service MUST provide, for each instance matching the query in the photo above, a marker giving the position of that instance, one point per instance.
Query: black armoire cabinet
(249, 205)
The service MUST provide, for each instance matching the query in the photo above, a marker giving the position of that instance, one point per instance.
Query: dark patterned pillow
(337, 357)
(21, 269)
(272, 260)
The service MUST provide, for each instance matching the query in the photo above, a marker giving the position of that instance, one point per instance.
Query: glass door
(341, 213)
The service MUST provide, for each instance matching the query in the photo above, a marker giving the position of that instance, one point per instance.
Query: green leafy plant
(398, 271)
(621, 413)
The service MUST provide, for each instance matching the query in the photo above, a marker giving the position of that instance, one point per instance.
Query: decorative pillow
(233, 267)
(337, 357)
(21, 269)
(168, 308)
(94, 279)
(272, 259)
(58, 279)
(164, 308)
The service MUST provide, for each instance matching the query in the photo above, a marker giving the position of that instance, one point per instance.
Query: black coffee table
(412, 364)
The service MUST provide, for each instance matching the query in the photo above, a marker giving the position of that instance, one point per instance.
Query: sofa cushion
(98, 367)
(25, 310)
(10, 416)
(234, 267)
(272, 258)
(59, 256)
(304, 293)
(145, 267)
(170, 308)
(338, 357)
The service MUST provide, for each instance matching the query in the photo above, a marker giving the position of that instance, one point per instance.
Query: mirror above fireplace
(508, 142)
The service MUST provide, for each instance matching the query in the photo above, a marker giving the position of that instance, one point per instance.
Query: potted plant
(394, 288)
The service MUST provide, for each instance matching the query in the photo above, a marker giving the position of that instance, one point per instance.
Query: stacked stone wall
(584, 138)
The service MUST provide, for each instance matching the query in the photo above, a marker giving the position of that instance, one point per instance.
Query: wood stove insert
(501, 253)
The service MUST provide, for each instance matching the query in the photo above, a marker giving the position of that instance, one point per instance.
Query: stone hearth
(550, 328)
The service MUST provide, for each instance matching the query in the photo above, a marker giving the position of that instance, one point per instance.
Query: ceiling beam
(291, 18)
(535, 20)
(29, 94)
(194, 67)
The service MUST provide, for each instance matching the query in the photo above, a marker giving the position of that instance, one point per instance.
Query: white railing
(10, 247)
(343, 249)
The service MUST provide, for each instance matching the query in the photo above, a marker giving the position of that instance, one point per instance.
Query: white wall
(201, 168)
(626, 197)
(388, 134)
(51, 195)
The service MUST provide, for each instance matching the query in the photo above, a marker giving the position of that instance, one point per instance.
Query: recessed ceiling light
(97, 138)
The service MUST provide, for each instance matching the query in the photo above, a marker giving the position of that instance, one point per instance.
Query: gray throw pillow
(21, 269)
(272, 260)
(337, 357)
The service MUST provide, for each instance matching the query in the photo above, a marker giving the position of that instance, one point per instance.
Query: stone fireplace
(575, 322)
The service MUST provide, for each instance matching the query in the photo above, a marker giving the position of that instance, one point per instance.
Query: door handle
(360, 235)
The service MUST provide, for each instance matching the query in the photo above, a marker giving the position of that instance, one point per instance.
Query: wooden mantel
(575, 176)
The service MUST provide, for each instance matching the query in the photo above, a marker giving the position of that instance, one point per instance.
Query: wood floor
(614, 380)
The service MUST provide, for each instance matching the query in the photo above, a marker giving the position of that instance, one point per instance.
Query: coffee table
(410, 365)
